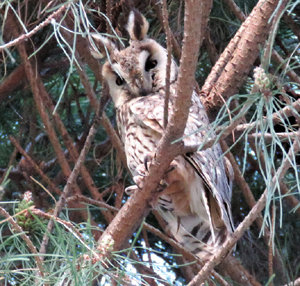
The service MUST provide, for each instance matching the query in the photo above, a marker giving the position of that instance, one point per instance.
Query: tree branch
(22, 38)
(169, 50)
(137, 207)
(34, 165)
(245, 44)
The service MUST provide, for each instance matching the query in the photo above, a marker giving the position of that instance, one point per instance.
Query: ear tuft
(100, 46)
(137, 26)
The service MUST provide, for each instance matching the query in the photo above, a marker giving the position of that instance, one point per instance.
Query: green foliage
(73, 258)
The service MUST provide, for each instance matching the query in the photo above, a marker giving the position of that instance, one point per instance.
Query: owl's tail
(195, 235)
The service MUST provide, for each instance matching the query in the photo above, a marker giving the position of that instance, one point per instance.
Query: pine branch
(21, 38)
(39, 261)
(238, 58)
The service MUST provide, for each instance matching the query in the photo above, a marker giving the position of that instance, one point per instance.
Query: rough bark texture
(236, 61)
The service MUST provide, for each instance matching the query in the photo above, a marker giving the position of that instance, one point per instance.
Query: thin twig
(149, 275)
(49, 216)
(176, 46)
(294, 26)
(34, 165)
(167, 29)
(35, 30)
(9, 165)
(72, 178)
(236, 10)
(145, 237)
(271, 242)
(108, 15)
(270, 137)
(284, 66)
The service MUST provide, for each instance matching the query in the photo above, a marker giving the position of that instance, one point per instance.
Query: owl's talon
(147, 159)
(139, 181)
(162, 186)
(141, 174)
(131, 189)
(172, 168)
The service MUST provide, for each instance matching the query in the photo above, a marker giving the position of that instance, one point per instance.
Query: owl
(194, 198)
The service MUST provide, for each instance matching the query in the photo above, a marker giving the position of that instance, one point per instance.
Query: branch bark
(228, 75)
(138, 205)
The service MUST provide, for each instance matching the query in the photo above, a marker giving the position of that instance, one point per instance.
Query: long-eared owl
(195, 199)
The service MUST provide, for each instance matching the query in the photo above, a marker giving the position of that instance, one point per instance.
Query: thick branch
(255, 30)
(137, 207)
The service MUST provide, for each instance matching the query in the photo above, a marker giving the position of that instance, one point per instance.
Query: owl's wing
(208, 164)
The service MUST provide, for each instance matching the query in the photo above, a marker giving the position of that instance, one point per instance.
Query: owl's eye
(119, 81)
(150, 64)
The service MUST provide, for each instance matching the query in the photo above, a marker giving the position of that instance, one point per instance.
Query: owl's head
(138, 70)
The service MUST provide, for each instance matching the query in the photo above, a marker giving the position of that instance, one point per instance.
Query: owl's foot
(147, 162)
(143, 171)
(140, 179)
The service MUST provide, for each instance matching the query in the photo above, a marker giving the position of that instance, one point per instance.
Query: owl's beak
(144, 92)
(143, 85)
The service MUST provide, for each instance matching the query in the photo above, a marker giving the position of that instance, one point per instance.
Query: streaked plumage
(196, 200)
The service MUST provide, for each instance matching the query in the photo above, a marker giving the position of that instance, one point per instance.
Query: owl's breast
(138, 139)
